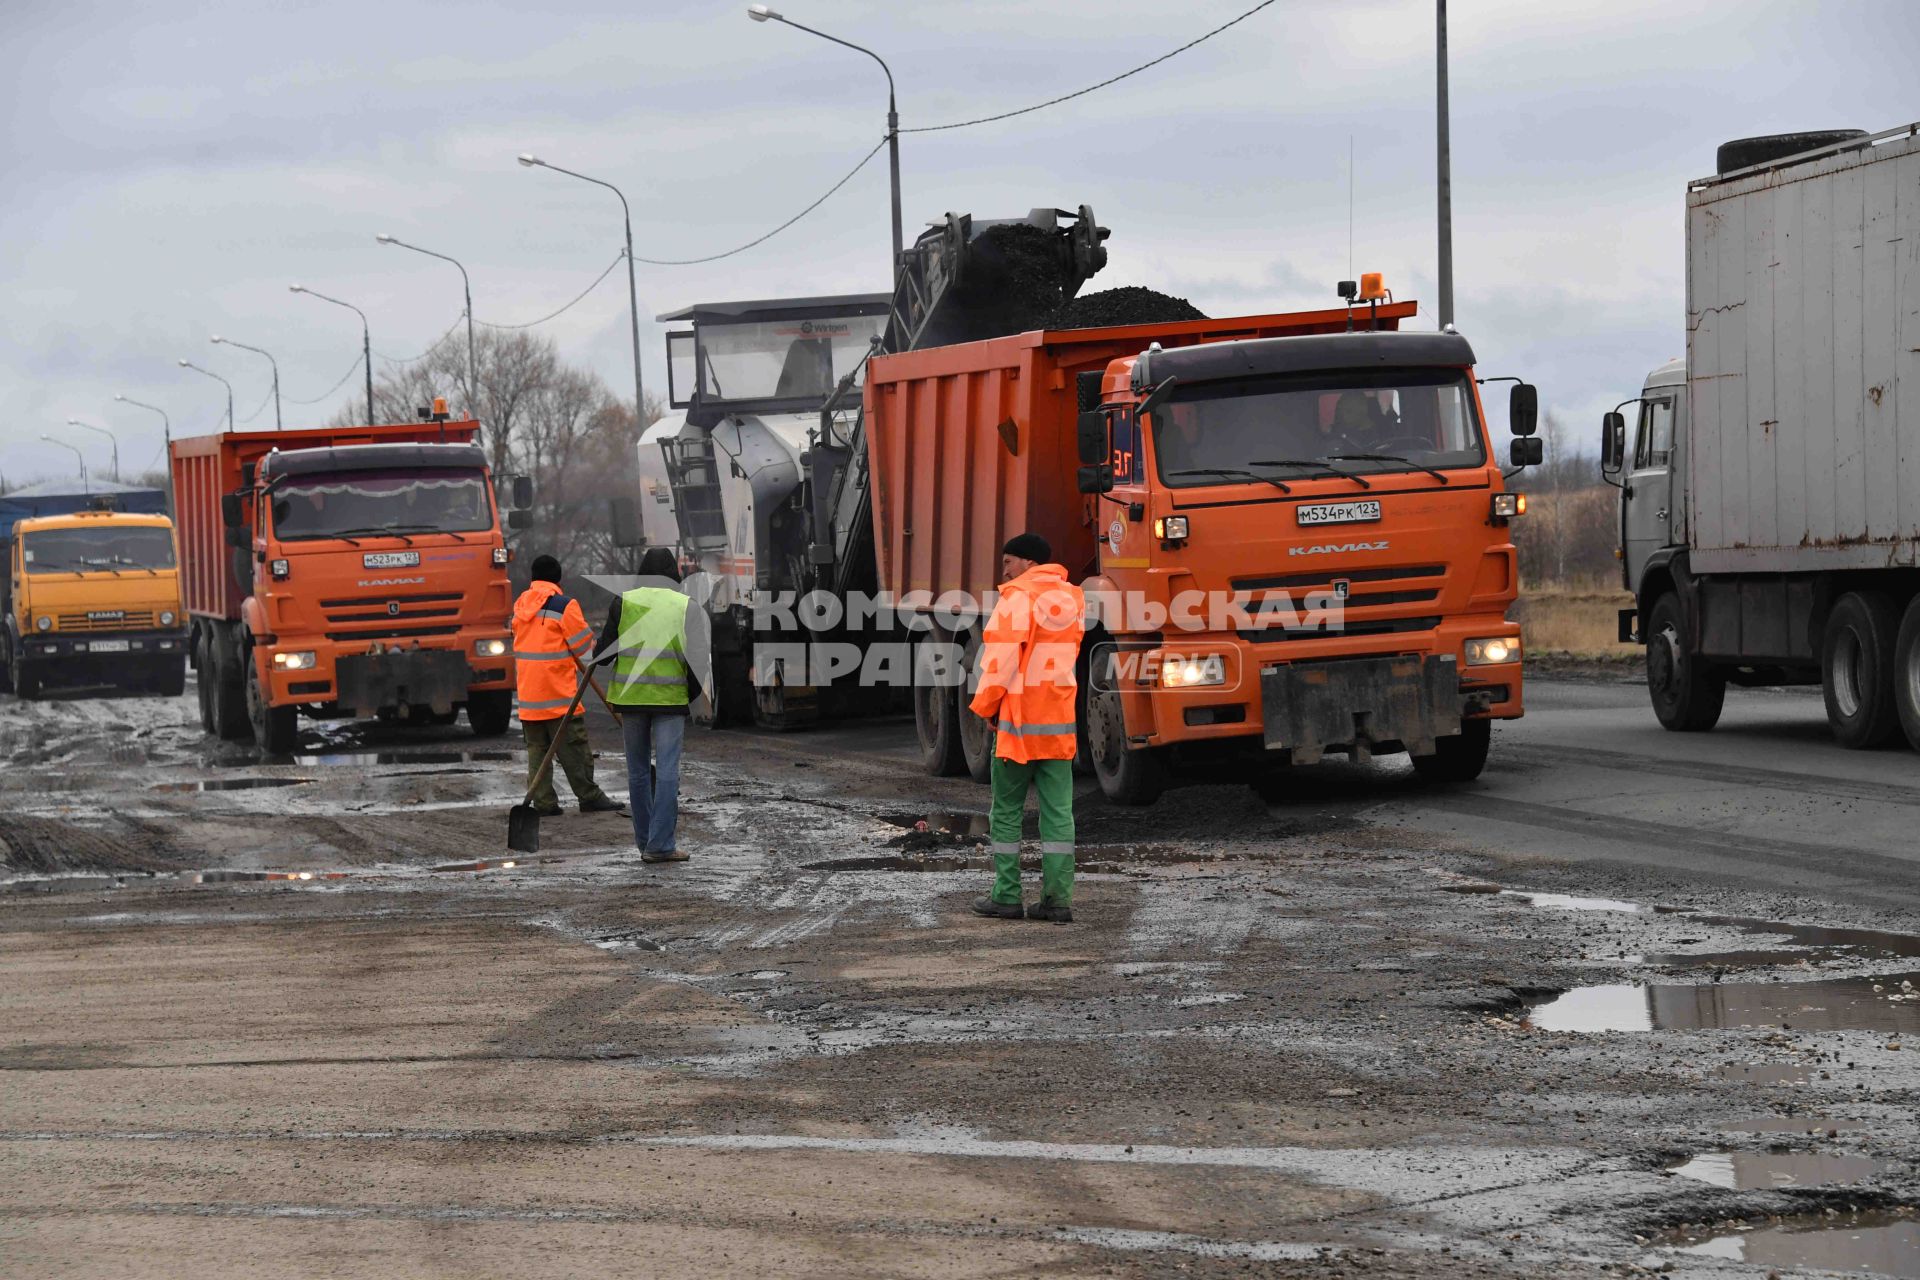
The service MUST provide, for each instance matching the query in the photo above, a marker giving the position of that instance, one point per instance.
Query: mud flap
(1314, 707)
(397, 678)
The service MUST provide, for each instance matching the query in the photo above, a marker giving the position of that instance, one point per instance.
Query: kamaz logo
(105, 615)
(1332, 548)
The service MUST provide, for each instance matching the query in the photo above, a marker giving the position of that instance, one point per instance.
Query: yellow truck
(92, 597)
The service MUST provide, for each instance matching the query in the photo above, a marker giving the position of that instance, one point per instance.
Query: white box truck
(1770, 504)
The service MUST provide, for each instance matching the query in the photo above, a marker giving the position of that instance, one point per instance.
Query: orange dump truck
(1292, 531)
(342, 572)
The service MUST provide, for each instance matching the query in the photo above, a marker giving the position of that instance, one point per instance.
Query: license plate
(390, 559)
(1338, 513)
(107, 646)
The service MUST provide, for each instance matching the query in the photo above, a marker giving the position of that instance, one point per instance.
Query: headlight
(489, 648)
(1493, 649)
(302, 661)
(1508, 505)
(1177, 672)
(43, 623)
(166, 617)
(500, 557)
(1170, 528)
(280, 569)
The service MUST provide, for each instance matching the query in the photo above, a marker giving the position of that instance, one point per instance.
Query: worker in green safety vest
(654, 683)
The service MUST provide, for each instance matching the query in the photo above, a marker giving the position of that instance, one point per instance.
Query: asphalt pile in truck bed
(1016, 279)
(1129, 304)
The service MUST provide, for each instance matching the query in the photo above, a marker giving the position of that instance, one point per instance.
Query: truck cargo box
(205, 468)
(972, 443)
(1803, 351)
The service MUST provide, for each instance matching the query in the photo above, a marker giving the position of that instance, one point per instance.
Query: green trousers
(575, 755)
(1053, 780)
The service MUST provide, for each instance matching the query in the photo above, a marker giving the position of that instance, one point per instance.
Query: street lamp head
(530, 160)
(384, 238)
(184, 364)
(218, 338)
(296, 288)
(760, 13)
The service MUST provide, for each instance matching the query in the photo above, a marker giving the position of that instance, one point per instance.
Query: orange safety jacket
(1026, 666)
(549, 632)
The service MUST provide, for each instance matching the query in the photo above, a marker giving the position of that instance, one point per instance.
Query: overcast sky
(169, 169)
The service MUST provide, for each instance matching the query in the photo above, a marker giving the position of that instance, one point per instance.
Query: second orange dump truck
(343, 572)
(1292, 529)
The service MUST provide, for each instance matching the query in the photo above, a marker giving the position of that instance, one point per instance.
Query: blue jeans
(653, 775)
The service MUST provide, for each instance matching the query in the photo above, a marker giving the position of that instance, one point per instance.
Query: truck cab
(1304, 546)
(1653, 487)
(93, 597)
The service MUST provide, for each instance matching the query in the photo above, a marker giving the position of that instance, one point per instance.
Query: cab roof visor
(1309, 353)
(365, 457)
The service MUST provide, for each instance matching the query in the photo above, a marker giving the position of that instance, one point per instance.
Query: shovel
(523, 820)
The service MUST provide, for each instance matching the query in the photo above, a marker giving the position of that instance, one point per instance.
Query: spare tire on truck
(1743, 152)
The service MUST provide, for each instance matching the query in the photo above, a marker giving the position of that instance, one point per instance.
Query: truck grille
(1353, 627)
(385, 611)
(127, 621)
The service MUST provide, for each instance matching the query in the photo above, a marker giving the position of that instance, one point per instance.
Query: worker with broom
(550, 640)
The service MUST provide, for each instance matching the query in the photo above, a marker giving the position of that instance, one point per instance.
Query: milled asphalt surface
(1290, 1034)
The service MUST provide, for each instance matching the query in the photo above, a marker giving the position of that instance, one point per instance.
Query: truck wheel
(1857, 669)
(229, 693)
(977, 736)
(1687, 692)
(936, 718)
(489, 711)
(1742, 152)
(203, 680)
(170, 679)
(1458, 757)
(7, 661)
(1906, 673)
(1127, 775)
(730, 702)
(26, 682)
(276, 730)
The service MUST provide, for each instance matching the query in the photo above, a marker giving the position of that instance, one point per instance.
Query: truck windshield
(98, 549)
(1393, 420)
(367, 503)
(779, 359)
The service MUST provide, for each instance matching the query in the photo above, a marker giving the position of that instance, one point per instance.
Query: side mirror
(232, 513)
(1523, 409)
(1096, 479)
(1613, 442)
(519, 519)
(522, 492)
(1528, 451)
(624, 517)
(1093, 436)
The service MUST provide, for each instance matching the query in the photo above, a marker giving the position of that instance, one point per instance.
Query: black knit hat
(545, 569)
(1028, 546)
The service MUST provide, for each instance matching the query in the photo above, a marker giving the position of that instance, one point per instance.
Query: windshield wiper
(367, 533)
(1275, 481)
(1342, 472)
(91, 566)
(1435, 472)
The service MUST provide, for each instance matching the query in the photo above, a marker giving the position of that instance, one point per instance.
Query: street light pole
(466, 285)
(231, 424)
(166, 423)
(633, 292)
(760, 13)
(229, 342)
(88, 426)
(1446, 168)
(85, 484)
(366, 338)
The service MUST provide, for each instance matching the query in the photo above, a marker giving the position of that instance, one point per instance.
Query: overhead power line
(351, 369)
(715, 257)
(1081, 93)
(578, 298)
(429, 351)
(262, 409)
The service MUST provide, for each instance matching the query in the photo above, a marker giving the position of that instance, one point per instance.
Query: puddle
(1729, 959)
(229, 784)
(231, 877)
(349, 758)
(1568, 902)
(1884, 1243)
(1840, 1004)
(1807, 945)
(1088, 860)
(1814, 1125)
(498, 864)
(941, 823)
(1767, 1171)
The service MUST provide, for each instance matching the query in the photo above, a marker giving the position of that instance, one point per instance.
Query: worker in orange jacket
(549, 633)
(1026, 691)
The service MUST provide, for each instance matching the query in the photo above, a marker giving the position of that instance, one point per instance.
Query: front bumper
(360, 677)
(103, 645)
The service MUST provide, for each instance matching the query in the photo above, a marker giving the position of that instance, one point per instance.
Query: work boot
(602, 804)
(547, 810)
(664, 855)
(1049, 909)
(998, 910)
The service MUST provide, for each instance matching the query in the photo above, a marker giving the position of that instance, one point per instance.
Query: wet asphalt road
(1296, 1031)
